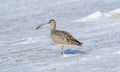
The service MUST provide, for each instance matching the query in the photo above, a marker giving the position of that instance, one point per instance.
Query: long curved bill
(40, 26)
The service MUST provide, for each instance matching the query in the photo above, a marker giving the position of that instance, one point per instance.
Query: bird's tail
(79, 43)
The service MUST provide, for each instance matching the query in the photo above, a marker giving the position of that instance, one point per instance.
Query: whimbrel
(61, 37)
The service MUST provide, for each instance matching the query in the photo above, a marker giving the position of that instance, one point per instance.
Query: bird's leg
(62, 49)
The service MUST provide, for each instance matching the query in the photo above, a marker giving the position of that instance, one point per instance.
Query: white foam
(69, 55)
(93, 17)
(113, 13)
(27, 41)
(100, 15)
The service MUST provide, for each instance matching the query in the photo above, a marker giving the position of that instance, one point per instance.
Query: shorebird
(61, 37)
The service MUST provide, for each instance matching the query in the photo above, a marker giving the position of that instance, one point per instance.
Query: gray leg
(62, 49)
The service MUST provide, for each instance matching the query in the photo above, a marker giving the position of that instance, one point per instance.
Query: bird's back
(63, 37)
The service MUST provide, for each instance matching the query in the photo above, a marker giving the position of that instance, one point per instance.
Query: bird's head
(51, 22)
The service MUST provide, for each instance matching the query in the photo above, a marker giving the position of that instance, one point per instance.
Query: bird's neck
(53, 27)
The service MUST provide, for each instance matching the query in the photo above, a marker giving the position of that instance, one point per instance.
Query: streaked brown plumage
(61, 37)
(64, 38)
